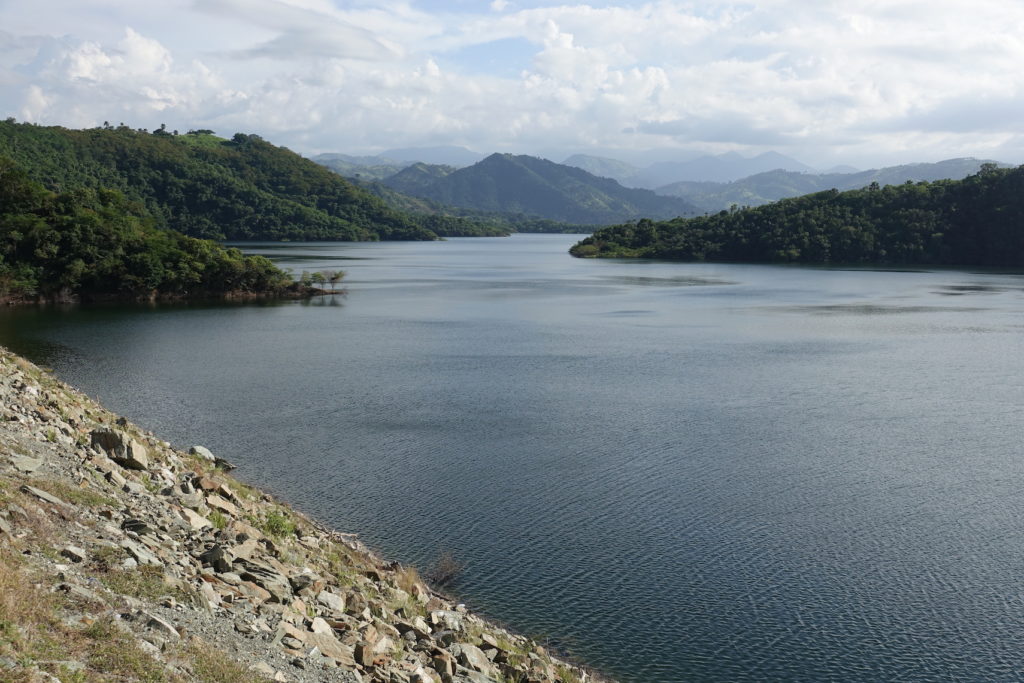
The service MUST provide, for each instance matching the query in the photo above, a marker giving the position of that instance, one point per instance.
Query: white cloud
(853, 81)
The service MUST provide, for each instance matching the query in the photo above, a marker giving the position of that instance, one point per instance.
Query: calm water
(679, 472)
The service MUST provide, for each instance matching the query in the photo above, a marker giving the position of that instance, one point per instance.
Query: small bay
(675, 471)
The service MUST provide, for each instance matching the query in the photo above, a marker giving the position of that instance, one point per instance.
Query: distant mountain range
(770, 186)
(535, 187)
(597, 190)
(708, 168)
(367, 168)
(448, 156)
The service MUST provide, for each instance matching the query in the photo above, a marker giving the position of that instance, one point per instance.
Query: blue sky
(863, 82)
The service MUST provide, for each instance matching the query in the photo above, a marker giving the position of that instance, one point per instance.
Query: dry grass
(145, 582)
(211, 666)
(33, 635)
(117, 655)
(407, 578)
(85, 497)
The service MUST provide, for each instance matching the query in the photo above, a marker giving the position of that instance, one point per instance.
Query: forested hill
(206, 186)
(93, 243)
(975, 221)
(535, 187)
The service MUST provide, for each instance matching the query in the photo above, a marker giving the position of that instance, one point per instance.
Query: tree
(318, 278)
(334, 277)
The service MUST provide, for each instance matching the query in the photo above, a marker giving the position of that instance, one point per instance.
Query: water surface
(677, 471)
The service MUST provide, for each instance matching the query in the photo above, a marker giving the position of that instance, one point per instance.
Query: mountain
(841, 168)
(721, 168)
(977, 221)
(448, 155)
(418, 178)
(199, 184)
(376, 167)
(536, 187)
(604, 167)
(774, 185)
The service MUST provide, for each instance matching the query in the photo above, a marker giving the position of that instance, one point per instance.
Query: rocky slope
(123, 559)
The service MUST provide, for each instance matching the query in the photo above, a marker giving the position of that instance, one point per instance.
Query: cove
(675, 471)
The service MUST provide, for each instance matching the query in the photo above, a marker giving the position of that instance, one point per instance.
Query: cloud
(861, 78)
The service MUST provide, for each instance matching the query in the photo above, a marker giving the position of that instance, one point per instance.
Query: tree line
(975, 221)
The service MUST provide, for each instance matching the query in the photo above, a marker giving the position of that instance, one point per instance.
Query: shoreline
(290, 293)
(121, 543)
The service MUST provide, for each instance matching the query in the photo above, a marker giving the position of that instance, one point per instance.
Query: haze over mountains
(705, 183)
(713, 168)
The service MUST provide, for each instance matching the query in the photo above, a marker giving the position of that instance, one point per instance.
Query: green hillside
(975, 221)
(206, 186)
(90, 243)
(536, 188)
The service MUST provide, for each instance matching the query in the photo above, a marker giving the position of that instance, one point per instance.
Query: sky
(859, 82)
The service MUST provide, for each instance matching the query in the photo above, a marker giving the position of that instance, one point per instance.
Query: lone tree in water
(334, 277)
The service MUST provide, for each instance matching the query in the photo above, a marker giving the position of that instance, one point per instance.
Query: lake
(675, 471)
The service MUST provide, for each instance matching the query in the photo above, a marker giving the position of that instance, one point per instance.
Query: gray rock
(121, 448)
(137, 525)
(194, 519)
(302, 582)
(267, 578)
(25, 464)
(159, 626)
(80, 592)
(446, 619)
(193, 501)
(335, 603)
(203, 453)
(140, 553)
(44, 496)
(472, 657)
(74, 553)
(217, 557)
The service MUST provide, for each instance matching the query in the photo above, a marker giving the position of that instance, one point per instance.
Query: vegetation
(209, 187)
(535, 188)
(975, 221)
(445, 571)
(95, 243)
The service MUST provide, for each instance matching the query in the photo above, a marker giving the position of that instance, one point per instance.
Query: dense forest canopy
(95, 243)
(205, 186)
(975, 221)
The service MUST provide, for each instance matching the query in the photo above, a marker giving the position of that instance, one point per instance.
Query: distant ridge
(536, 187)
(447, 155)
(778, 184)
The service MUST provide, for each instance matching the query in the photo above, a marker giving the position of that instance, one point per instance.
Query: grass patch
(211, 666)
(278, 524)
(31, 631)
(144, 582)
(218, 520)
(74, 495)
(116, 653)
(566, 675)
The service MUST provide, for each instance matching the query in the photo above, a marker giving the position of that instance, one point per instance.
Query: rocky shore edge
(123, 559)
